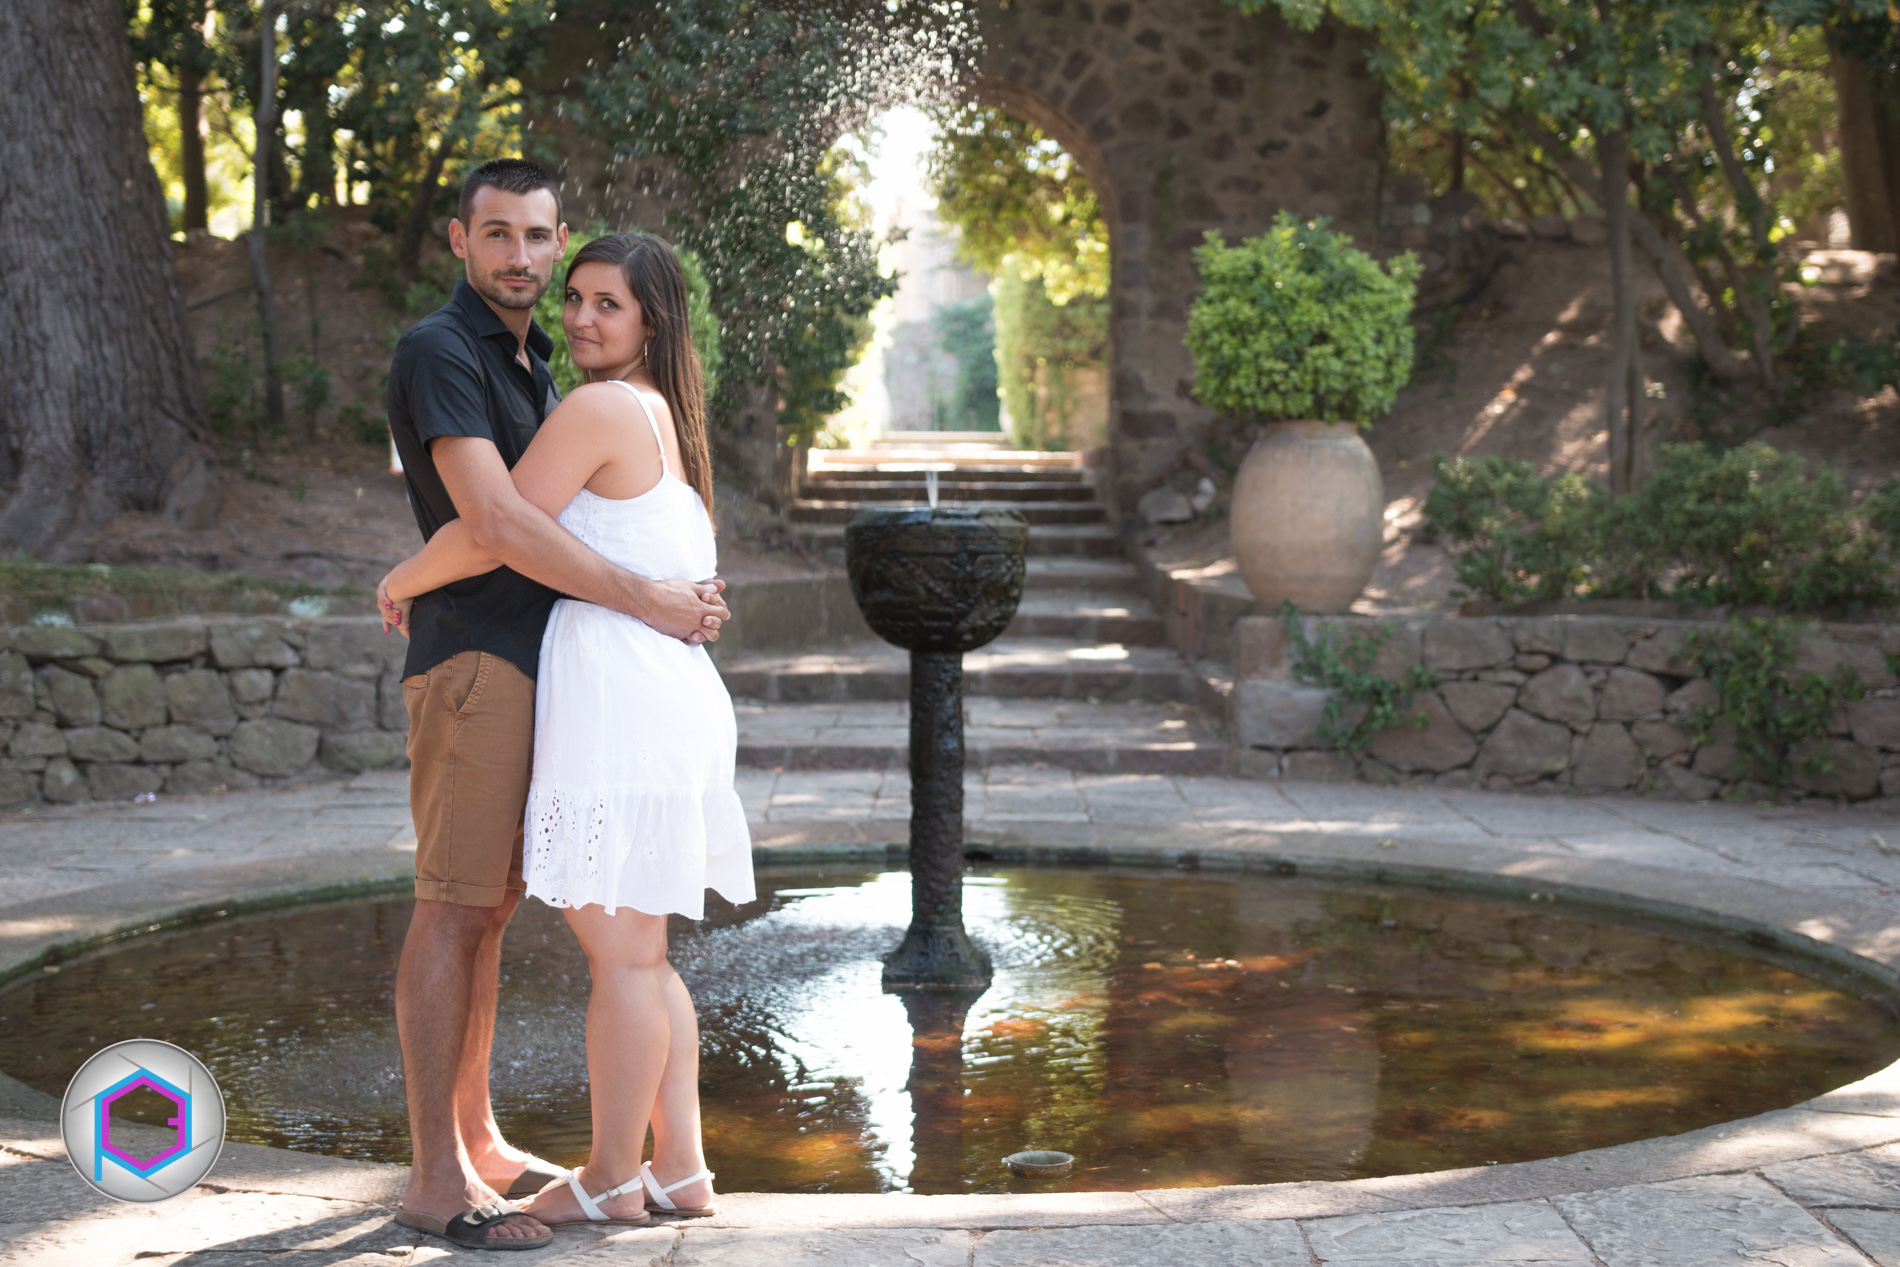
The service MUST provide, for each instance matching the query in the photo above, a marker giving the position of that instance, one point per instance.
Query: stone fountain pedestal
(937, 582)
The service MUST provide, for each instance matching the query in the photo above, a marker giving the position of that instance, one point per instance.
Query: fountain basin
(1175, 1030)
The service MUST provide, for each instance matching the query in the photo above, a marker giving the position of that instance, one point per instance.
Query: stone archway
(1186, 115)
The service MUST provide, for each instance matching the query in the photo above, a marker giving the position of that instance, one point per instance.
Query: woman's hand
(395, 612)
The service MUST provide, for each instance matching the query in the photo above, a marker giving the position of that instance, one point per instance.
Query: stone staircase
(1081, 680)
(1051, 490)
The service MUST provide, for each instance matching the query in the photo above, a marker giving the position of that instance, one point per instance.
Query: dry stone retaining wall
(1553, 703)
(108, 713)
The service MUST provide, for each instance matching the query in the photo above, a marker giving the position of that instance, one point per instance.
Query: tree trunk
(1862, 168)
(101, 407)
(1887, 144)
(260, 215)
(1623, 401)
(191, 149)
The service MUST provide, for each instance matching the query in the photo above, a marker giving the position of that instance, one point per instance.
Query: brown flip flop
(468, 1227)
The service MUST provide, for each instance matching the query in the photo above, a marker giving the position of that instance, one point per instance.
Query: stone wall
(1555, 703)
(1186, 115)
(107, 713)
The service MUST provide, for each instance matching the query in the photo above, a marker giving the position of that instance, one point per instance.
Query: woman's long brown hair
(652, 272)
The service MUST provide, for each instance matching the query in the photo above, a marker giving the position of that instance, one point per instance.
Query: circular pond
(1167, 1029)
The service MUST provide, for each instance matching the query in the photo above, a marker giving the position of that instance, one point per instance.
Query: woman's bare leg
(677, 1148)
(629, 1045)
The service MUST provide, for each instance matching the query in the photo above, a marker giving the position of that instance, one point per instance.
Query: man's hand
(691, 611)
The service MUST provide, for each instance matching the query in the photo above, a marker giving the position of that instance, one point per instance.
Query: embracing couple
(568, 735)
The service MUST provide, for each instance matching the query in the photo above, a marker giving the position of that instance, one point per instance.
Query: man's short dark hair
(511, 176)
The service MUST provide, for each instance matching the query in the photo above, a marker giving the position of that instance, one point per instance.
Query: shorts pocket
(471, 677)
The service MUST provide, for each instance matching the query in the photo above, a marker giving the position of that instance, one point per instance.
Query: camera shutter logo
(194, 1120)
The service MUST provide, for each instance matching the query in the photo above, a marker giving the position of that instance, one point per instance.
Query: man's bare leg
(498, 1162)
(435, 996)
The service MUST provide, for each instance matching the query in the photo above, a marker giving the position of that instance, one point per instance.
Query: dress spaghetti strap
(651, 422)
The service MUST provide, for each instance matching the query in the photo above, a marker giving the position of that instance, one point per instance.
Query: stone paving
(1814, 1185)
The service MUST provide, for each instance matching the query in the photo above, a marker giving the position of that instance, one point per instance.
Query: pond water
(1168, 1029)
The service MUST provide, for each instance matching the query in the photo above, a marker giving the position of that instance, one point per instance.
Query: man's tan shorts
(471, 749)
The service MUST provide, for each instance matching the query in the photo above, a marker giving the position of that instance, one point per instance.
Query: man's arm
(509, 528)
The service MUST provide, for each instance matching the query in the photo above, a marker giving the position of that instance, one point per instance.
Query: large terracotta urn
(1309, 515)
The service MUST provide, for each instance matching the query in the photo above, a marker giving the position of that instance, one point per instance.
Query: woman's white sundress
(632, 802)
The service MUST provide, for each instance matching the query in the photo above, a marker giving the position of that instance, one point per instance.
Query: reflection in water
(1166, 1029)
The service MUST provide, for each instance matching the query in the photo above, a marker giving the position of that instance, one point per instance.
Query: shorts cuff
(460, 894)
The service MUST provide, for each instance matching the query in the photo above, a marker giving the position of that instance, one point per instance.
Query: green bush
(1340, 658)
(1297, 323)
(1772, 708)
(1524, 536)
(1748, 526)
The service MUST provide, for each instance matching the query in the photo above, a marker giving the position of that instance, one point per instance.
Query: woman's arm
(565, 453)
(450, 555)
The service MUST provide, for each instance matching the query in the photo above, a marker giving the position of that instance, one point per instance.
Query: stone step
(1009, 668)
(1089, 541)
(871, 474)
(1099, 576)
(899, 459)
(1111, 738)
(811, 511)
(940, 439)
(1088, 616)
(949, 492)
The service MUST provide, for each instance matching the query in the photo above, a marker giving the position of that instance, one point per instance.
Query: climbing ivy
(1340, 658)
(1772, 708)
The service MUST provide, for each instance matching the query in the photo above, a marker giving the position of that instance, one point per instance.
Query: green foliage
(357, 423)
(1011, 191)
(1340, 658)
(1521, 537)
(968, 334)
(28, 588)
(1882, 510)
(1298, 323)
(1026, 214)
(309, 385)
(1043, 349)
(233, 382)
(392, 95)
(742, 102)
(1725, 108)
(1850, 360)
(1772, 708)
(700, 315)
(1747, 526)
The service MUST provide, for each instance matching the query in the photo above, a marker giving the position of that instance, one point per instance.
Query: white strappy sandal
(590, 1206)
(659, 1198)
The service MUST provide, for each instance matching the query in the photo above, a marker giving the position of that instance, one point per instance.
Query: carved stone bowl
(943, 580)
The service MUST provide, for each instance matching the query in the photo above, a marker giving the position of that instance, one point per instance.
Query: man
(467, 390)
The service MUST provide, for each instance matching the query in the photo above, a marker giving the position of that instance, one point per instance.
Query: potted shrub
(1299, 329)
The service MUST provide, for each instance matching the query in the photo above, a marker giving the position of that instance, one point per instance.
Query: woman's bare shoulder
(592, 404)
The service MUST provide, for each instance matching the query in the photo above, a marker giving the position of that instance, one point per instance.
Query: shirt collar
(487, 325)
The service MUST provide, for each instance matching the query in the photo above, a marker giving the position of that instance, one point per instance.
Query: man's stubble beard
(495, 293)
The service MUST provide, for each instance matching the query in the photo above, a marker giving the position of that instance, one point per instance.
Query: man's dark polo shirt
(455, 374)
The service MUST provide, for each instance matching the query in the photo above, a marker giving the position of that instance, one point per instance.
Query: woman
(632, 812)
